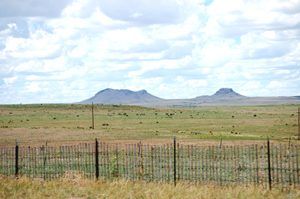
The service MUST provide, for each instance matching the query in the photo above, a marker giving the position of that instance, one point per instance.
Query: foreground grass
(78, 188)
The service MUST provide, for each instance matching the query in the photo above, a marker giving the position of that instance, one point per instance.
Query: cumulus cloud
(10, 80)
(143, 12)
(32, 8)
(174, 49)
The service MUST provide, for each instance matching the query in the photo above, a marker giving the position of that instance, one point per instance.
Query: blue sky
(67, 50)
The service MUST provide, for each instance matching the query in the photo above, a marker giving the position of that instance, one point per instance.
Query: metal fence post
(140, 165)
(17, 160)
(97, 159)
(298, 123)
(116, 172)
(269, 165)
(174, 153)
(93, 119)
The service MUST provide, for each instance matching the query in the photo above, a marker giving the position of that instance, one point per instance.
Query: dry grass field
(76, 187)
(69, 124)
(56, 124)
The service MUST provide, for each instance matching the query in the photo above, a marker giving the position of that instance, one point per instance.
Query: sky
(61, 51)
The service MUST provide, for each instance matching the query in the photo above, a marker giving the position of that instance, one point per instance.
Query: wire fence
(268, 164)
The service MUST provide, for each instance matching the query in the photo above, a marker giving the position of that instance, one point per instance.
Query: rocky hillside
(223, 97)
(122, 96)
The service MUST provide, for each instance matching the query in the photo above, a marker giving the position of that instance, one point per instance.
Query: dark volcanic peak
(224, 96)
(108, 90)
(226, 92)
(122, 96)
(142, 91)
(111, 91)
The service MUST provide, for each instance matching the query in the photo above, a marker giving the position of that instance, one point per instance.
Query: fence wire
(218, 164)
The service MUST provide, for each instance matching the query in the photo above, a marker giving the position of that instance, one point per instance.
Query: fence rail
(266, 164)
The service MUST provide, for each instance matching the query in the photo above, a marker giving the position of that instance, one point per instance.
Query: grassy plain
(79, 188)
(61, 123)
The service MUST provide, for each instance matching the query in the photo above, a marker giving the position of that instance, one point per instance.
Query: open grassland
(79, 188)
(36, 124)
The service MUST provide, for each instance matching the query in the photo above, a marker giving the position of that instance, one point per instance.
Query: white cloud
(143, 12)
(252, 88)
(181, 48)
(191, 83)
(10, 80)
(42, 66)
(32, 87)
(47, 8)
(8, 30)
(275, 85)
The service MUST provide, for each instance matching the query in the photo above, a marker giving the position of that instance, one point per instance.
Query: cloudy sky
(67, 50)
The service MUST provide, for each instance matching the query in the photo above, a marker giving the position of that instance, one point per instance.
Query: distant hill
(122, 96)
(223, 97)
(226, 92)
